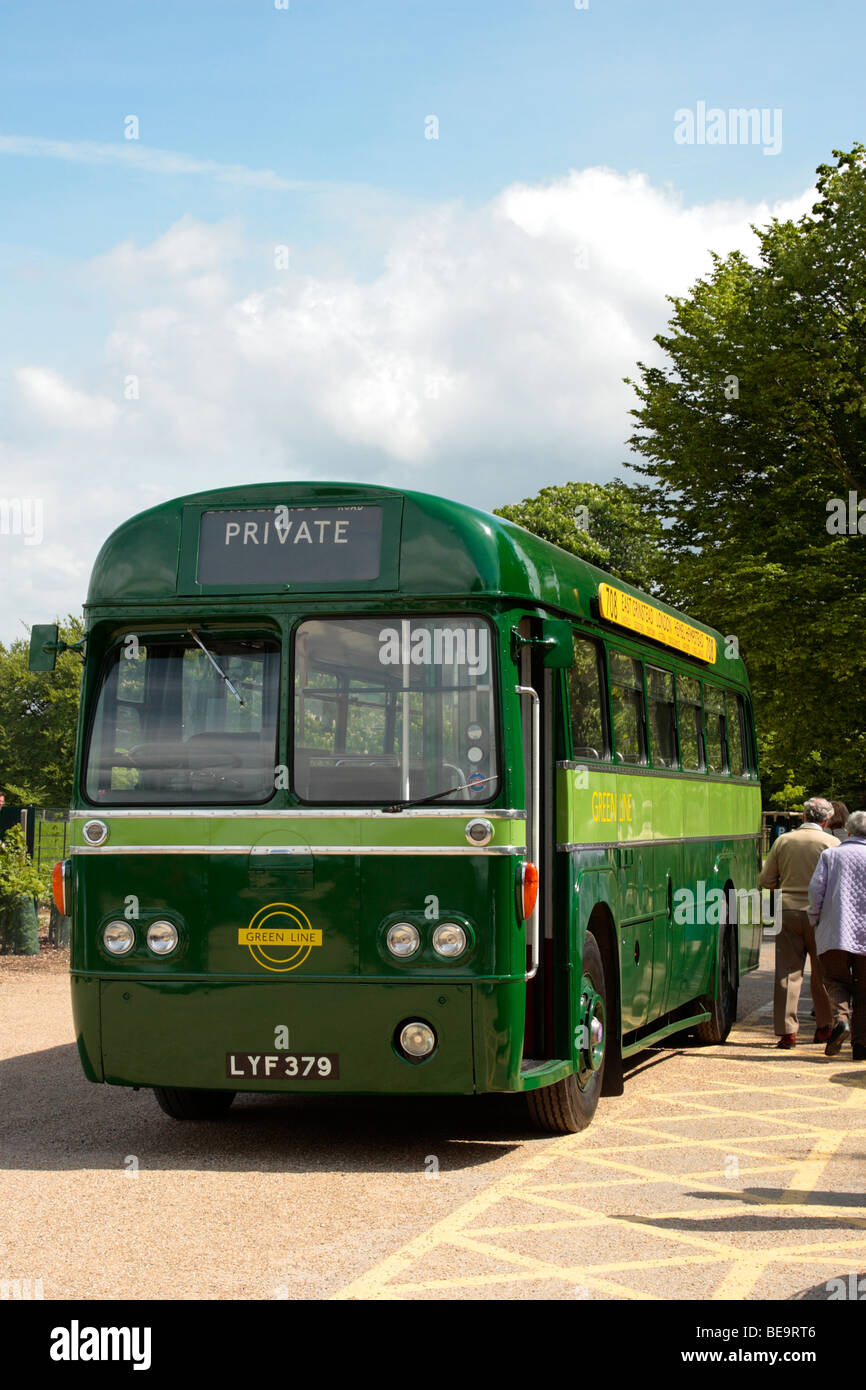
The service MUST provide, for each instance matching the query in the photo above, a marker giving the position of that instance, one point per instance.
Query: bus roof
(444, 548)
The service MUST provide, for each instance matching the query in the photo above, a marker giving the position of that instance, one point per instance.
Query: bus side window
(689, 720)
(627, 708)
(586, 703)
(714, 713)
(736, 728)
(662, 716)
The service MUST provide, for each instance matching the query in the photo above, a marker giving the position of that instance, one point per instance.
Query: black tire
(568, 1106)
(722, 1008)
(193, 1105)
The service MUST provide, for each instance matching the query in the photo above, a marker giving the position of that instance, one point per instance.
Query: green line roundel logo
(280, 937)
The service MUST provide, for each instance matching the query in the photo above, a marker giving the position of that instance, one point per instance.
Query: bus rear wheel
(568, 1106)
(193, 1105)
(723, 1008)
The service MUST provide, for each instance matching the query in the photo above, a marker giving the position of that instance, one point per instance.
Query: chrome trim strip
(535, 828)
(650, 844)
(159, 849)
(362, 813)
(306, 850)
(644, 770)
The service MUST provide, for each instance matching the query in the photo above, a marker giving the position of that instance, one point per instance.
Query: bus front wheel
(193, 1105)
(569, 1105)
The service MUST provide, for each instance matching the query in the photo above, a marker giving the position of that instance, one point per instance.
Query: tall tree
(754, 440)
(38, 716)
(607, 524)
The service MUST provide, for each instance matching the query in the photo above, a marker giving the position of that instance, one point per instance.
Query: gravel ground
(48, 962)
(722, 1172)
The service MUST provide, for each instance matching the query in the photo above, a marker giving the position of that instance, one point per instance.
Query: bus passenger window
(736, 746)
(689, 719)
(626, 703)
(714, 712)
(588, 737)
(662, 716)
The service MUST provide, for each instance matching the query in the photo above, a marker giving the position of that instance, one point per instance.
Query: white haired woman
(837, 907)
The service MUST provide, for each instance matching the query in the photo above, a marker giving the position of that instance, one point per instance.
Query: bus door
(667, 829)
(636, 933)
(667, 936)
(546, 648)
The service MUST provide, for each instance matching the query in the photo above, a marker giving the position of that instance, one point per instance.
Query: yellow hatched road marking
(742, 1278)
(741, 1265)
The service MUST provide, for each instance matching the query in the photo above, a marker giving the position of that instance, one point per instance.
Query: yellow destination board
(628, 611)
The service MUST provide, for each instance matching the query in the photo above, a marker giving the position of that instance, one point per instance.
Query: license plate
(282, 1066)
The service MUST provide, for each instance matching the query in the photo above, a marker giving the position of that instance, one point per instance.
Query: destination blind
(629, 611)
(291, 545)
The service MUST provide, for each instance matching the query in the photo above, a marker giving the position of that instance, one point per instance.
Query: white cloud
(54, 404)
(154, 161)
(484, 360)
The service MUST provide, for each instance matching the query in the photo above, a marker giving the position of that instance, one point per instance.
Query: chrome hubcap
(592, 1031)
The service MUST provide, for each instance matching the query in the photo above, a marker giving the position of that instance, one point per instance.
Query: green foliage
(608, 524)
(754, 424)
(38, 716)
(18, 874)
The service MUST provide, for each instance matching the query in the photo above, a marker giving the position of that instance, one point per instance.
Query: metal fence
(774, 824)
(50, 836)
(46, 830)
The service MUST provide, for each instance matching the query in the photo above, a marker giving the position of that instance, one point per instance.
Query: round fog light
(403, 939)
(162, 937)
(449, 940)
(417, 1039)
(118, 938)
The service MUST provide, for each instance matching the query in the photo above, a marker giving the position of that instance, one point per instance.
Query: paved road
(730, 1172)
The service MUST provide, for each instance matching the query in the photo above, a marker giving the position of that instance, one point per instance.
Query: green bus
(376, 793)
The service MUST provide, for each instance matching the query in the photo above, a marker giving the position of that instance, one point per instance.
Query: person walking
(789, 868)
(837, 908)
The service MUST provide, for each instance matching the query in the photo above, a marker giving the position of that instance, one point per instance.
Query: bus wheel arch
(602, 926)
(568, 1106)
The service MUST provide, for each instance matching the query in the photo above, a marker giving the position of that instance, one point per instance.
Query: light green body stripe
(596, 806)
(386, 831)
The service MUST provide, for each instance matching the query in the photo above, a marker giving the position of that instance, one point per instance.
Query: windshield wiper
(437, 796)
(215, 665)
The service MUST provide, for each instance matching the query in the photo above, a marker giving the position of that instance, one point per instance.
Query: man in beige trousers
(789, 869)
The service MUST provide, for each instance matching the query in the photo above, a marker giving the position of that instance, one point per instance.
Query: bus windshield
(394, 709)
(185, 721)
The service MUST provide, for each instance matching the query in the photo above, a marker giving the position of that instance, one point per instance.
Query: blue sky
(306, 127)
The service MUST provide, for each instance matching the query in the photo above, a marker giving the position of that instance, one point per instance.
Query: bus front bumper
(241, 1035)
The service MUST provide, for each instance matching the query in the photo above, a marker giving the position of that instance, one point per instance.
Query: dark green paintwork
(170, 1022)
(446, 550)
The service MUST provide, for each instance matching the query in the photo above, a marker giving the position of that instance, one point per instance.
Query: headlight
(403, 939)
(449, 940)
(417, 1039)
(162, 937)
(118, 938)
